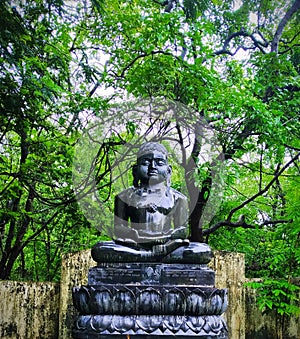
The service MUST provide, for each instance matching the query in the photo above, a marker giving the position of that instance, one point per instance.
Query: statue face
(153, 168)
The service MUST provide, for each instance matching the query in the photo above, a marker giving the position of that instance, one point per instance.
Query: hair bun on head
(149, 147)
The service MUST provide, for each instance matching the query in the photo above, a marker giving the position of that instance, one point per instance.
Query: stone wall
(230, 274)
(268, 325)
(74, 272)
(29, 310)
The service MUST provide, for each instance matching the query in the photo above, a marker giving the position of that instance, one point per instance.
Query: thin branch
(264, 190)
(288, 49)
(143, 55)
(36, 233)
(181, 144)
(292, 147)
(252, 169)
(241, 33)
(261, 167)
(289, 42)
(295, 7)
(242, 224)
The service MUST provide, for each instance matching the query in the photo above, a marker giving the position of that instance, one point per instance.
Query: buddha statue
(150, 218)
(150, 281)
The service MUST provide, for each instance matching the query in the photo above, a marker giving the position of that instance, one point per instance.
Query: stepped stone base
(127, 300)
(151, 273)
(146, 300)
(116, 326)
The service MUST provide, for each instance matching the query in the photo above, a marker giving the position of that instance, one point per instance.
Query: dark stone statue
(150, 281)
(151, 217)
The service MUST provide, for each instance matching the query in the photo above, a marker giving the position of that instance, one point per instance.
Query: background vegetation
(235, 63)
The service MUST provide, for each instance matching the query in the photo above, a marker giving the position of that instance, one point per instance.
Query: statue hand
(169, 246)
(179, 233)
(126, 234)
(159, 249)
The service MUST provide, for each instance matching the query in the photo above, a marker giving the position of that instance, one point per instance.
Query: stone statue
(150, 222)
(156, 211)
(150, 281)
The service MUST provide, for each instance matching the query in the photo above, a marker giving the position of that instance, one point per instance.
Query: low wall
(29, 310)
(268, 325)
(230, 274)
(74, 272)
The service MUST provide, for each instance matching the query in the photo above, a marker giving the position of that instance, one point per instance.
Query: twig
(264, 190)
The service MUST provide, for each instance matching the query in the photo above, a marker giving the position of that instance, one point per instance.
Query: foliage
(39, 215)
(280, 295)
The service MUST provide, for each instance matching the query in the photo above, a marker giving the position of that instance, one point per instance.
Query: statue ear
(135, 176)
(169, 175)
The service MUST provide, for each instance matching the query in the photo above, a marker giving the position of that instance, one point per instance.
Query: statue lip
(152, 173)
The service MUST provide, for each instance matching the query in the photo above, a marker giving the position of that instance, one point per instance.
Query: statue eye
(160, 162)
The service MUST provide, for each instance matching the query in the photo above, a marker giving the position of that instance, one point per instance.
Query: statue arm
(181, 218)
(122, 230)
(179, 234)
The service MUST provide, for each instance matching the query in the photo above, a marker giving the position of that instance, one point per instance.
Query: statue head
(152, 165)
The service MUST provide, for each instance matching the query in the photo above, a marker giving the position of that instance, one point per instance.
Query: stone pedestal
(150, 299)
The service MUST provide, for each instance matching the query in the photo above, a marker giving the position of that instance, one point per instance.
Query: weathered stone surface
(161, 326)
(228, 268)
(29, 310)
(149, 300)
(74, 272)
(151, 273)
(268, 325)
(230, 274)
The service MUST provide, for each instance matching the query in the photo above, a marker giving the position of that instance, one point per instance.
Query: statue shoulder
(125, 195)
(178, 195)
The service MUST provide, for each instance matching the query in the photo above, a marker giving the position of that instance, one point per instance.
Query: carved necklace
(151, 207)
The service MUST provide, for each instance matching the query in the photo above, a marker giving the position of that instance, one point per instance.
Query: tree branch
(36, 233)
(241, 33)
(264, 190)
(295, 7)
(292, 147)
(143, 55)
(242, 224)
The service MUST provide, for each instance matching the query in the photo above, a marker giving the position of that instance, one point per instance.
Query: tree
(39, 214)
(165, 49)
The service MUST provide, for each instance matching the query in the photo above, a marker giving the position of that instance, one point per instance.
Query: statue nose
(152, 164)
